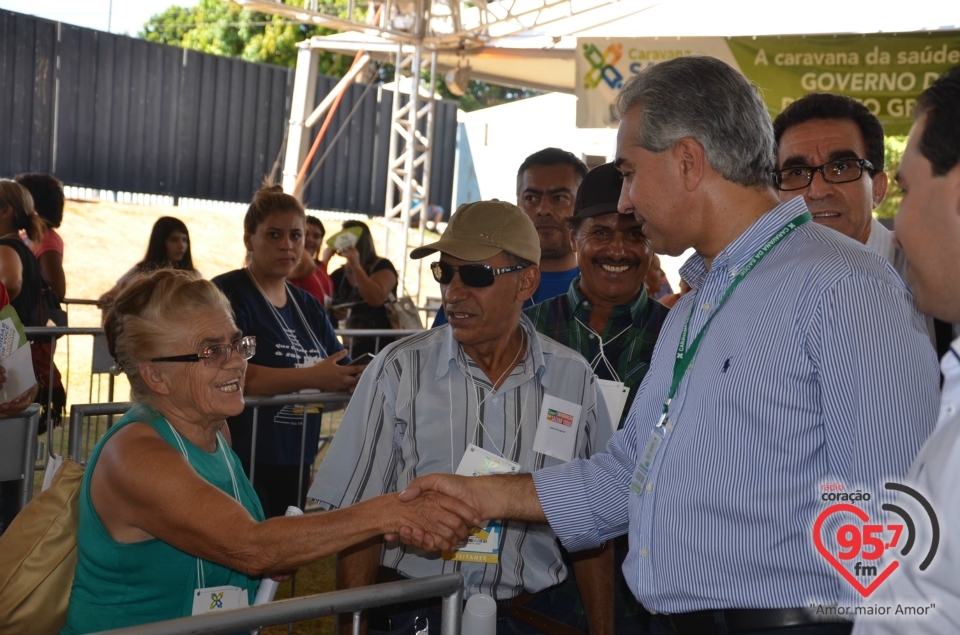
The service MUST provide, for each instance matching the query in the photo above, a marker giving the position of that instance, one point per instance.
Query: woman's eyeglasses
(217, 356)
(470, 275)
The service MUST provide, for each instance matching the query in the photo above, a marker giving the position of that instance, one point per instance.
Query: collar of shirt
(738, 252)
(581, 306)
(450, 349)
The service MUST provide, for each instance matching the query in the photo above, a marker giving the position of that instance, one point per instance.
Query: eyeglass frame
(861, 163)
(435, 266)
(207, 352)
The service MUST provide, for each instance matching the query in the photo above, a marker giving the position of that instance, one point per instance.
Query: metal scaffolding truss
(439, 24)
(410, 33)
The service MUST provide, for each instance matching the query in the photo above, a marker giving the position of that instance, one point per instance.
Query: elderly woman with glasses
(169, 526)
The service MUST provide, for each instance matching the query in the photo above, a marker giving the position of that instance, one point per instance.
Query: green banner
(885, 72)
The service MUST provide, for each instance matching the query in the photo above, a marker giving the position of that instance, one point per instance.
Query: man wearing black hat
(607, 317)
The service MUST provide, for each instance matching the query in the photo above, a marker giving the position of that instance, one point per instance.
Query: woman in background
(48, 201)
(296, 350)
(361, 289)
(169, 248)
(310, 273)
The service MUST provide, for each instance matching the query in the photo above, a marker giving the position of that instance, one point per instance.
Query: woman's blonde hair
(148, 315)
(24, 216)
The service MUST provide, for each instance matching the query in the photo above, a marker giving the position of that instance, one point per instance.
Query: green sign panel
(885, 72)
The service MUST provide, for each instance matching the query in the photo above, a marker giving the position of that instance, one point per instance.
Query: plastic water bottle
(268, 586)
(480, 615)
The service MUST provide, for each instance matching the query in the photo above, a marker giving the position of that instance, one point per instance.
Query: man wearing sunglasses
(484, 394)
(830, 151)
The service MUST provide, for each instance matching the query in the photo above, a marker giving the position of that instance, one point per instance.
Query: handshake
(437, 511)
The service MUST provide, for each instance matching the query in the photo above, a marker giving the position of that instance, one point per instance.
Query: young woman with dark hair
(48, 201)
(169, 248)
(310, 273)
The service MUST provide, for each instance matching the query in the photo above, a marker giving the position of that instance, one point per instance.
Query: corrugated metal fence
(117, 113)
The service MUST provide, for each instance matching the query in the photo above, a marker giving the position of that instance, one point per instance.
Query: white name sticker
(557, 428)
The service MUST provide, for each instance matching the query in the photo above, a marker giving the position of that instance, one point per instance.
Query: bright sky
(127, 16)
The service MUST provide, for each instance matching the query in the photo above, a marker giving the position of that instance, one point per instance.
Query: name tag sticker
(557, 428)
(219, 598)
(615, 397)
(646, 460)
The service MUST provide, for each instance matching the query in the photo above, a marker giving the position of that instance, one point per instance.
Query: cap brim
(461, 249)
(597, 209)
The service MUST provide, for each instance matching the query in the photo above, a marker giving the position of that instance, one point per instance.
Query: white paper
(19, 373)
(557, 428)
(9, 338)
(615, 397)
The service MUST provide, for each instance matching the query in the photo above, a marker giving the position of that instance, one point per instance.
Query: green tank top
(120, 584)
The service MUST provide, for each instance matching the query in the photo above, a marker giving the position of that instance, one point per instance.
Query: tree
(226, 29)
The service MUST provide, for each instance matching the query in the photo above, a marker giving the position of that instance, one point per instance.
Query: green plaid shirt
(628, 339)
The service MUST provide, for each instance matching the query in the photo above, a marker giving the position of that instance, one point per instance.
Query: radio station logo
(858, 546)
(560, 417)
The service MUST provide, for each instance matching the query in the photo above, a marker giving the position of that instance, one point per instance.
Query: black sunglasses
(470, 275)
(218, 355)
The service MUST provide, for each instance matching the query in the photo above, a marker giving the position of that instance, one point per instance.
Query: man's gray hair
(706, 99)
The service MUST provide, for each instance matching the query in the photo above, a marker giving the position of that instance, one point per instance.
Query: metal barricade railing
(18, 450)
(448, 586)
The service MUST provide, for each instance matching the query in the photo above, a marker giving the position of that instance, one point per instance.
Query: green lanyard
(685, 355)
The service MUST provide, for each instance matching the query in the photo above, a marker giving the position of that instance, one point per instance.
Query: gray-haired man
(768, 379)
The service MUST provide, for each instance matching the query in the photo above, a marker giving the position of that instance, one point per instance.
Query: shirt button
(705, 306)
(669, 425)
(951, 409)
(590, 336)
(496, 399)
(644, 553)
(733, 273)
(649, 487)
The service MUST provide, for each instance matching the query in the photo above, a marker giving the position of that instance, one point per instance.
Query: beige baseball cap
(481, 230)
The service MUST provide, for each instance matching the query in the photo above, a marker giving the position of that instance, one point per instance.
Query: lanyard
(685, 355)
(602, 355)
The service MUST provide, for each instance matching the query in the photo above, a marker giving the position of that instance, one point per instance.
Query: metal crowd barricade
(448, 586)
(348, 335)
(78, 412)
(18, 450)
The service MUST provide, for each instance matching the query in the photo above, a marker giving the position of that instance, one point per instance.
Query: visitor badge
(646, 460)
(483, 543)
(479, 462)
(557, 428)
(219, 598)
(615, 397)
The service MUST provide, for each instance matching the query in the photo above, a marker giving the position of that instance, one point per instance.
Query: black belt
(741, 621)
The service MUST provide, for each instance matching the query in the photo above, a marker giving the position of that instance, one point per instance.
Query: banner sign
(885, 72)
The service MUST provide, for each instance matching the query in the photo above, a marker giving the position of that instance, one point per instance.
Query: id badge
(483, 543)
(615, 396)
(557, 428)
(313, 408)
(646, 460)
(219, 598)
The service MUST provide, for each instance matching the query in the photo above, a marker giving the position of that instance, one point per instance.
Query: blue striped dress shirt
(817, 369)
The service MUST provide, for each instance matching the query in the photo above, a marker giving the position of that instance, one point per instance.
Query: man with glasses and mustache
(830, 151)
(547, 183)
(607, 316)
(484, 394)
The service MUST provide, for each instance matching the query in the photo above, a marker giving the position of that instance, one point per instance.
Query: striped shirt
(816, 370)
(417, 407)
(628, 338)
